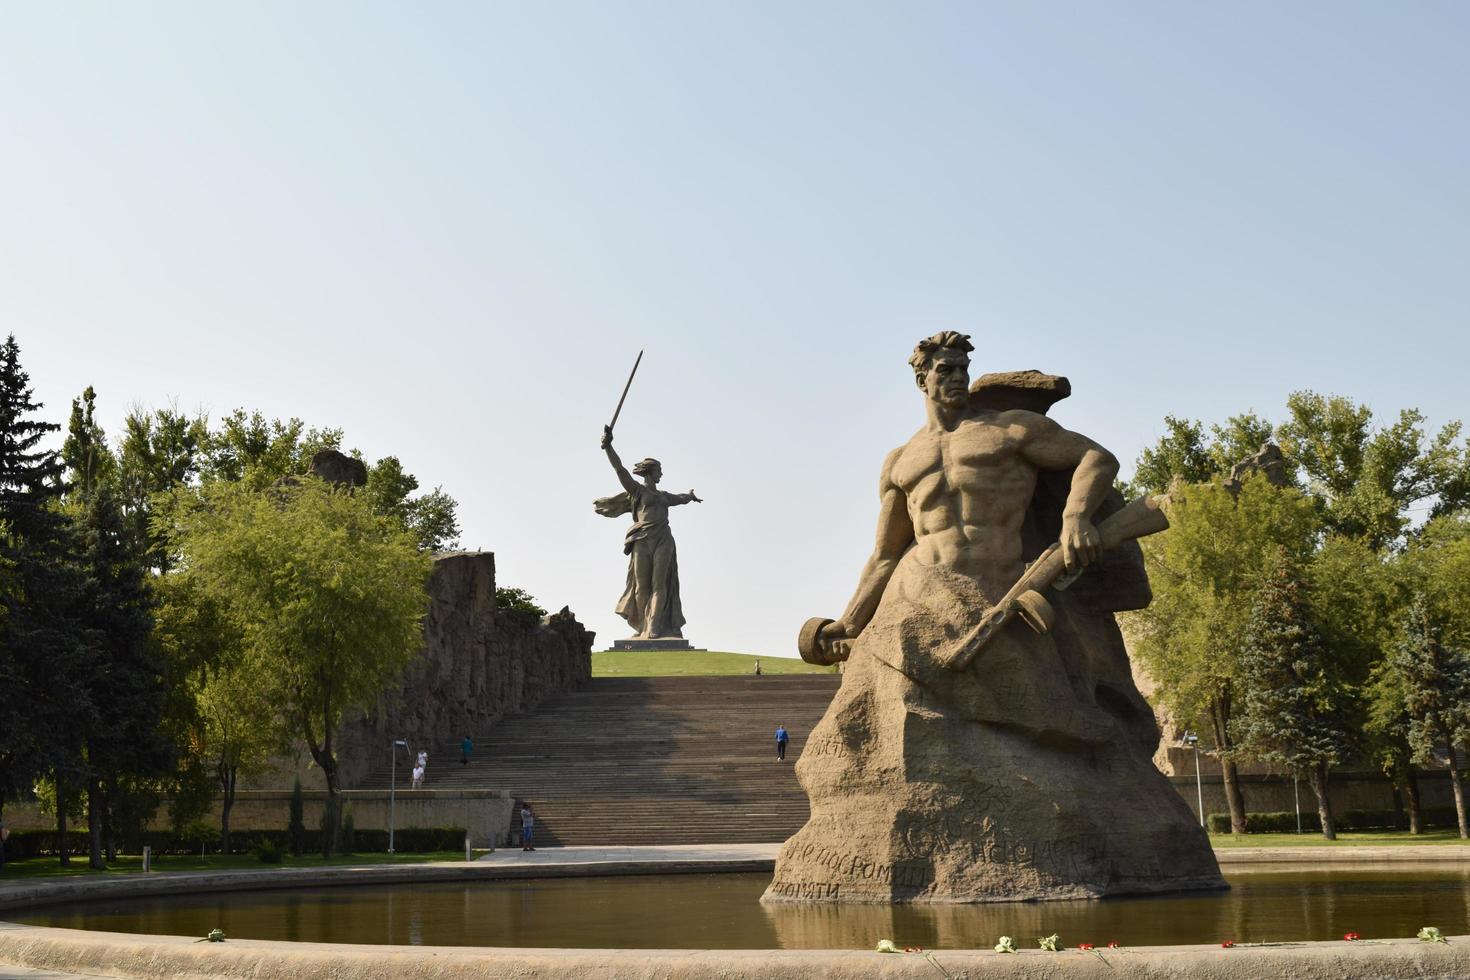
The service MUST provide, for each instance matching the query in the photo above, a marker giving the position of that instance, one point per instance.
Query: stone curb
(172, 957)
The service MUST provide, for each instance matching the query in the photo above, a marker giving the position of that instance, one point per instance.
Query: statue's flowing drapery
(652, 558)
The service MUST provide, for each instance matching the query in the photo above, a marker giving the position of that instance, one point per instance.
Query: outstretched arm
(624, 477)
(675, 499)
(895, 535)
(1051, 447)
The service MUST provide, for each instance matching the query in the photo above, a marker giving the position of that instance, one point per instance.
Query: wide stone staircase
(648, 760)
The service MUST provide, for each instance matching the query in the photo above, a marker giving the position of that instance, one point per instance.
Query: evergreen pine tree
(30, 476)
(127, 681)
(46, 646)
(1293, 706)
(1436, 686)
(90, 464)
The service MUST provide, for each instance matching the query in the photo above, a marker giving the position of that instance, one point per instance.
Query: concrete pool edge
(147, 957)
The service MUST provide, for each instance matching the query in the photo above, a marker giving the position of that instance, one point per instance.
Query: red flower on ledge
(1084, 945)
(1113, 944)
(1351, 937)
(1227, 944)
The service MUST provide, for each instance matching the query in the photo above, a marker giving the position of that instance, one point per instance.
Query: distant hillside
(694, 664)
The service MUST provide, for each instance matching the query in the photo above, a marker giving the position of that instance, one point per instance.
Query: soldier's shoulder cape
(1118, 580)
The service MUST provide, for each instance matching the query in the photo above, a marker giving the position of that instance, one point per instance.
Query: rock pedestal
(912, 802)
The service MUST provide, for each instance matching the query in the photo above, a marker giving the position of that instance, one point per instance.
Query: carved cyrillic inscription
(804, 889)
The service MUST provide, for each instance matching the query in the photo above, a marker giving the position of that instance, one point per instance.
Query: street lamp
(398, 743)
(1192, 740)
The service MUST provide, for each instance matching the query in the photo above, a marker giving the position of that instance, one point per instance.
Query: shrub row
(407, 840)
(1284, 822)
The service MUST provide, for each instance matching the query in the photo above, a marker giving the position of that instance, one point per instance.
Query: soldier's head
(650, 469)
(941, 366)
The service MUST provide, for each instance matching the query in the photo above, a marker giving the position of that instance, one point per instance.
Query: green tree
(431, 516)
(248, 447)
(123, 744)
(1206, 570)
(159, 454)
(1367, 478)
(122, 736)
(1436, 565)
(90, 464)
(1187, 454)
(518, 601)
(1356, 598)
(235, 727)
(1436, 686)
(48, 647)
(1387, 728)
(1294, 700)
(328, 595)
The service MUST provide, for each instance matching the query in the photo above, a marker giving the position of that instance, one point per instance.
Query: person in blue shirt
(781, 739)
(465, 748)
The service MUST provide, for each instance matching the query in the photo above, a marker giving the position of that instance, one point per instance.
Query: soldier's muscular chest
(971, 455)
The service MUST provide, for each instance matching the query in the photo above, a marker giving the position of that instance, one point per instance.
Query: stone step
(665, 760)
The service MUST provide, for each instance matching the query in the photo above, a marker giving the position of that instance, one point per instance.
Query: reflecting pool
(722, 911)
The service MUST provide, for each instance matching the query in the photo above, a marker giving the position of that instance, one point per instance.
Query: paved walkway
(762, 857)
(673, 854)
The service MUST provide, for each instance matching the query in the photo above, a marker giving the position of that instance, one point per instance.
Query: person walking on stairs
(465, 748)
(528, 828)
(781, 739)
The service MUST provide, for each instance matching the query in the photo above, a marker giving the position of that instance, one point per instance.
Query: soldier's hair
(945, 339)
(644, 466)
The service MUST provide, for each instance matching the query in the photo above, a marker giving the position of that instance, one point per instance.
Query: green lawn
(39, 867)
(1345, 838)
(675, 663)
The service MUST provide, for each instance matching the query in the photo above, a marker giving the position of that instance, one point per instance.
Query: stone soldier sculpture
(650, 601)
(967, 758)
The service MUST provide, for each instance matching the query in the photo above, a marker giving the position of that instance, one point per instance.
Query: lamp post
(1192, 740)
(398, 743)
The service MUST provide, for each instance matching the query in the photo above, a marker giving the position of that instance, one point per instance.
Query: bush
(1284, 822)
(267, 852)
(408, 840)
(518, 601)
(37, 843)
(200, 835)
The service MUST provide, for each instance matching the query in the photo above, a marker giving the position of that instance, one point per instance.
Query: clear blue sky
(448, 228)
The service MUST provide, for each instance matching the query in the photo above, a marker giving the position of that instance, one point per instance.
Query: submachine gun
(1024, 601)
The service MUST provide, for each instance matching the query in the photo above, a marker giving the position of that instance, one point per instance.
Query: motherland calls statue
(967, 758)
(650, 601)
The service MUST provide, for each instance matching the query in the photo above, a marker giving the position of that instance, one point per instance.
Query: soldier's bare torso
(967, 489)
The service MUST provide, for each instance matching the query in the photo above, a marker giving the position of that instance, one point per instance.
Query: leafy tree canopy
(1206, 570)
(327, 595)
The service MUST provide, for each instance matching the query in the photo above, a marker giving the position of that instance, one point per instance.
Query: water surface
(722, 911)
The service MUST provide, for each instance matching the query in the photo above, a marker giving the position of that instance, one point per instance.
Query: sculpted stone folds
(1021, 771)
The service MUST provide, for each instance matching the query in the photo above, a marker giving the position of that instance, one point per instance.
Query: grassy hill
(675, 663)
